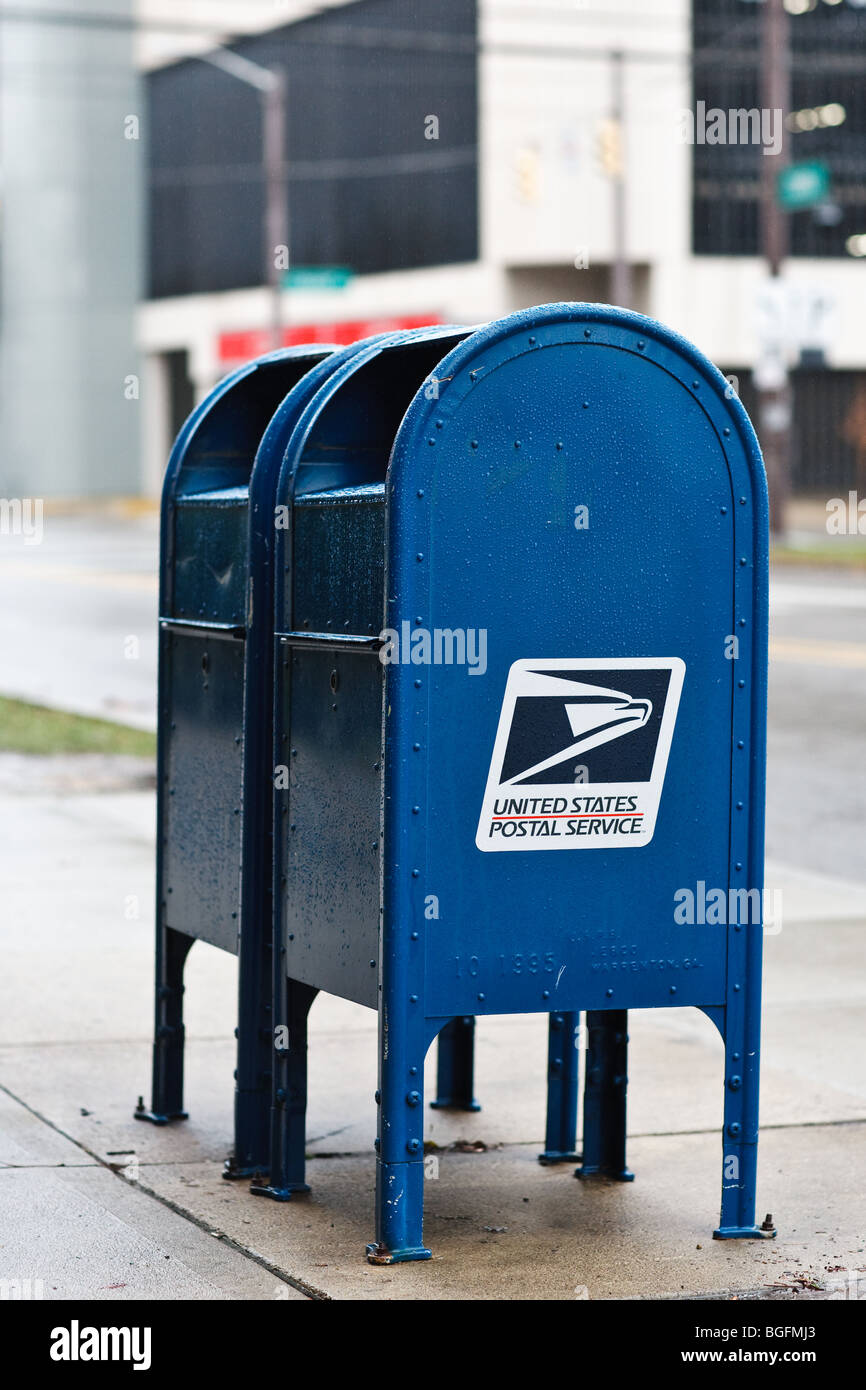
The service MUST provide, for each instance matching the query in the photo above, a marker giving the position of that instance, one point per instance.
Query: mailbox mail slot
(576, 509)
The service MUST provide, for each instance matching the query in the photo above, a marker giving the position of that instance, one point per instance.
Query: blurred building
(71, 254)
(448, 161)
(462, 159)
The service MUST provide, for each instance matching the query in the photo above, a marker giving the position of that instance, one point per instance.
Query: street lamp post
(776, 395)
(621, 279)
(271, 84)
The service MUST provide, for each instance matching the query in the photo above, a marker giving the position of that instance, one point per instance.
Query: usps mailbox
(521, 712)
(254, 1080)
(215, 628)
(329, 564)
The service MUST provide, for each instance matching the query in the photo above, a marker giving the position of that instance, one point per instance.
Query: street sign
(802, 185)
(791, 317)
(318, 277)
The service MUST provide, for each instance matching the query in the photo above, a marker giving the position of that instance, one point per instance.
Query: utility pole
(276, 196)
(621, 286)
(776, 397)
(271, 84)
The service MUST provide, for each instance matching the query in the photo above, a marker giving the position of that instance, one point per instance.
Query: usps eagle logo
(580, 753)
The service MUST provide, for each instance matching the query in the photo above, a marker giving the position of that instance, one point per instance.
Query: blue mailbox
(255, 1026)
(586, 493)
(215, 647)
(214, 866)
(329, 567)
(267, 558)
(520, 684)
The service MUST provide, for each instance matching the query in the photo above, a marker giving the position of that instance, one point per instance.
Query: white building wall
(552, 100)
(195, 25)
(545, 86)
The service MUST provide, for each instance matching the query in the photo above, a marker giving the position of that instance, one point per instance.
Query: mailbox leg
(255, 1035)
(400, 1147)
(455, 1066)
(172, 949)
(741, 1031)
(289, 1108)
(399, 1212)
(560, 1136)
(604, 1098)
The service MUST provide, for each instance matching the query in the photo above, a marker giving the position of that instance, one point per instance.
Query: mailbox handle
(330, 641)
(231, 631)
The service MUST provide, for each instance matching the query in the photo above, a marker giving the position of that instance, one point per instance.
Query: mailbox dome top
(577, 324)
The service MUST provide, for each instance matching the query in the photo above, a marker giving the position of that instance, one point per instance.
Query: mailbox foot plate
(156, 1119)
(278, 1194)
(744, 1233)
(604, 1175)
(380, 1255)
(448, 1104)
(551, 1156)
(233, 1172)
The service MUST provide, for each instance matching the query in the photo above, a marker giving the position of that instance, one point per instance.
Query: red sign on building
(242, 346)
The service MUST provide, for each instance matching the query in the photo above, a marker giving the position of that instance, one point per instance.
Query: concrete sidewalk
(100, 1206)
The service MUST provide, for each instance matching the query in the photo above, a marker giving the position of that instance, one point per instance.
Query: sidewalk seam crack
(309, 1290)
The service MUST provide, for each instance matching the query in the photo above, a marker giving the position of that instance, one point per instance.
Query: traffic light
(528, 174)
(609, 147)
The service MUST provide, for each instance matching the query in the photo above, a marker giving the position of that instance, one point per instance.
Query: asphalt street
(79, 609)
